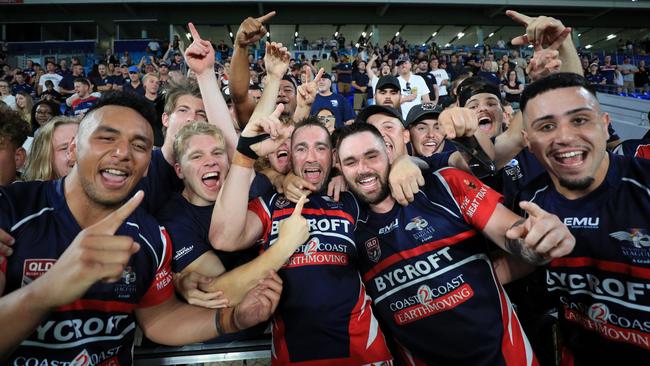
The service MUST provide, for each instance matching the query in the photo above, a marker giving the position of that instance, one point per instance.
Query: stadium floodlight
(434, 34)
(188, 35)
(611, 36)
(268, 34)
(397, 34)
(588, 46)
(476, 45)
(490, 35)
(460, 35)
(295, 34)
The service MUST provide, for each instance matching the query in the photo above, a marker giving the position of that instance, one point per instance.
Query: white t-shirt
(154, 46)
(416, 85)
(10, 101)
(441, 75)
(56, 79)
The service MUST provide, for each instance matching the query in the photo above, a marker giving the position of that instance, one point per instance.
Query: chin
(580, 184)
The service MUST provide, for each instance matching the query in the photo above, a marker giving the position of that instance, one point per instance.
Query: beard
(375, 198)
(577, 185)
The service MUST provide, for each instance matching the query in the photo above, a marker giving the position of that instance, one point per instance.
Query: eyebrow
(567, 113)
(137, 136)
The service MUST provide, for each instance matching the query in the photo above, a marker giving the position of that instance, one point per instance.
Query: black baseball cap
(326, 76)
(363, 115)
(402, 60)
(388, 81)
(421, 111)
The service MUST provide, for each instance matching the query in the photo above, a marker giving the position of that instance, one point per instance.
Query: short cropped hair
(554, 81)
(355, 128)
(193, 129)
(13, 128)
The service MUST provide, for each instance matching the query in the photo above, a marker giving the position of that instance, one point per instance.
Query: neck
(599, 178)
(326, 93)
(84, 210)
(383, 206)
(194, 199)
(151, 95)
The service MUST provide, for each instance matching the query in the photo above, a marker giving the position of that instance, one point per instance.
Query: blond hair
(194, 128)
(41, 157)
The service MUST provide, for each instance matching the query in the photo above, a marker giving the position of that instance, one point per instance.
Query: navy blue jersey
(427, 270)
(337, 104)
(188, 226)
(324, 316)
(638, 148)
(161, 181)
(517, 174)
(100, 325)
(602, 289)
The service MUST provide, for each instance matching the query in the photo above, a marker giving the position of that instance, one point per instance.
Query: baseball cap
(163, 63)
(133, 69)
(363, 115)
(388, 81)
(420, 111)
(476, 85)
(402, 60)
(326, 76)
(593, 64)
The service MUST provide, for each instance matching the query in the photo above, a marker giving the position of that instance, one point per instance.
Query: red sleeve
(643, 151)
(476, 201)
(259, 208)
(162, 287)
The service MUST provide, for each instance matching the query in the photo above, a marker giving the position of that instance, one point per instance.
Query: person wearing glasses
(5, 94)
(414, 88)
(327, 118)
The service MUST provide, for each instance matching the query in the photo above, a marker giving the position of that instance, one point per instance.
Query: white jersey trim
(32, 216)
(636, 183)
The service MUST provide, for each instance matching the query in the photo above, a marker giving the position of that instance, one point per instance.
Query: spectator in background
(641, 80)
(133, 84)
(63, 69)
(520, 66)
(337, 103)
(594, 76)
(360, 82)
(442, 78)
(42, 113)
(487, 73)
(24, 105)
(151, 84)
(153, 48)
(223, 50)
(455, 67)
(608, 70)
(628, 70)
(84, 100)
(414, 88)
(67, 87)
(110, 58)
(21, 84)
(103, 81)
(13, 133)
(50, 94)
(118, 76)
(126, 59)
(49, 156)
(344, 77)
(5, 94)
(422, 70)
(512, 88)
(50, 75)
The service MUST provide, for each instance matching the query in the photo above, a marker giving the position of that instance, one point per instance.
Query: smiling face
(364, 164)
(203, 168)
(62, 137)
(393, 132)
(311, 155)
(280, 159)
(287, 96)
(112, 151)
(490, 114)
(567, 132)
(427, 137)
(188, 108)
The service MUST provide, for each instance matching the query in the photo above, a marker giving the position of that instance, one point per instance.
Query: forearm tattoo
(518, 248)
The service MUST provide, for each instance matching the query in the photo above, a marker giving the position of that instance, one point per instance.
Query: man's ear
(177, 169)
(20, 156)
(525, 135)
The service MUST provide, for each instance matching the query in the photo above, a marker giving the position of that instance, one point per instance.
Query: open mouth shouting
(211, 180)
(114, 178)
(313, 174)
(283, 155)
(485, 123)
(368, 182)
(569, 158)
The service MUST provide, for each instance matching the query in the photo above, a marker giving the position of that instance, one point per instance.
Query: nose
(122, 149)
(311, 155)
(564, 133)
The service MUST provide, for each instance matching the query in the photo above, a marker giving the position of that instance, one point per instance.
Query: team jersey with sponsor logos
(427, 270)
(324, 316)
(99, 328)
(639, 148)
(602, 289)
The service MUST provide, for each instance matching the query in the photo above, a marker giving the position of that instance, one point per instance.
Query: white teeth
(312, 170)
(210, 175)
(430, 144)
(282, 154)
(115, 172)
(569, 154)
(367, 180)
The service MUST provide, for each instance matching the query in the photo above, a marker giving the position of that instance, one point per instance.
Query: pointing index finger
(519, 17)
(319, 75)
(114, 220)
(194, 32)
(532, 209)
(301, 202)
(266, 17)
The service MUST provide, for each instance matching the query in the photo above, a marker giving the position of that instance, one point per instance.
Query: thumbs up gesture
(96, 254)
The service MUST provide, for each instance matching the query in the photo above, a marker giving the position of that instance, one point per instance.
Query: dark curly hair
(13, 127)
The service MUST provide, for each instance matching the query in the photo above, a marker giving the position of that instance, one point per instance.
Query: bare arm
(200, 59)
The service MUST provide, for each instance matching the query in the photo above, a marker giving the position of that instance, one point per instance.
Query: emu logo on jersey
(388, 228)
(637, 237)
(598, 312)
(311, 247)
(372, 247)
(282, 202)
(417, 223)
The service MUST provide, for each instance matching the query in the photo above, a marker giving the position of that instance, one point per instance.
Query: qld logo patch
(373, 249)
(35, 268)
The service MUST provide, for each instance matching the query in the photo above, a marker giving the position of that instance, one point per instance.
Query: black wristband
(244, 145)
(217, 323)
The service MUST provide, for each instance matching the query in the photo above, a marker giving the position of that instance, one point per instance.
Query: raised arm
(250, 31)
(200, 59)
